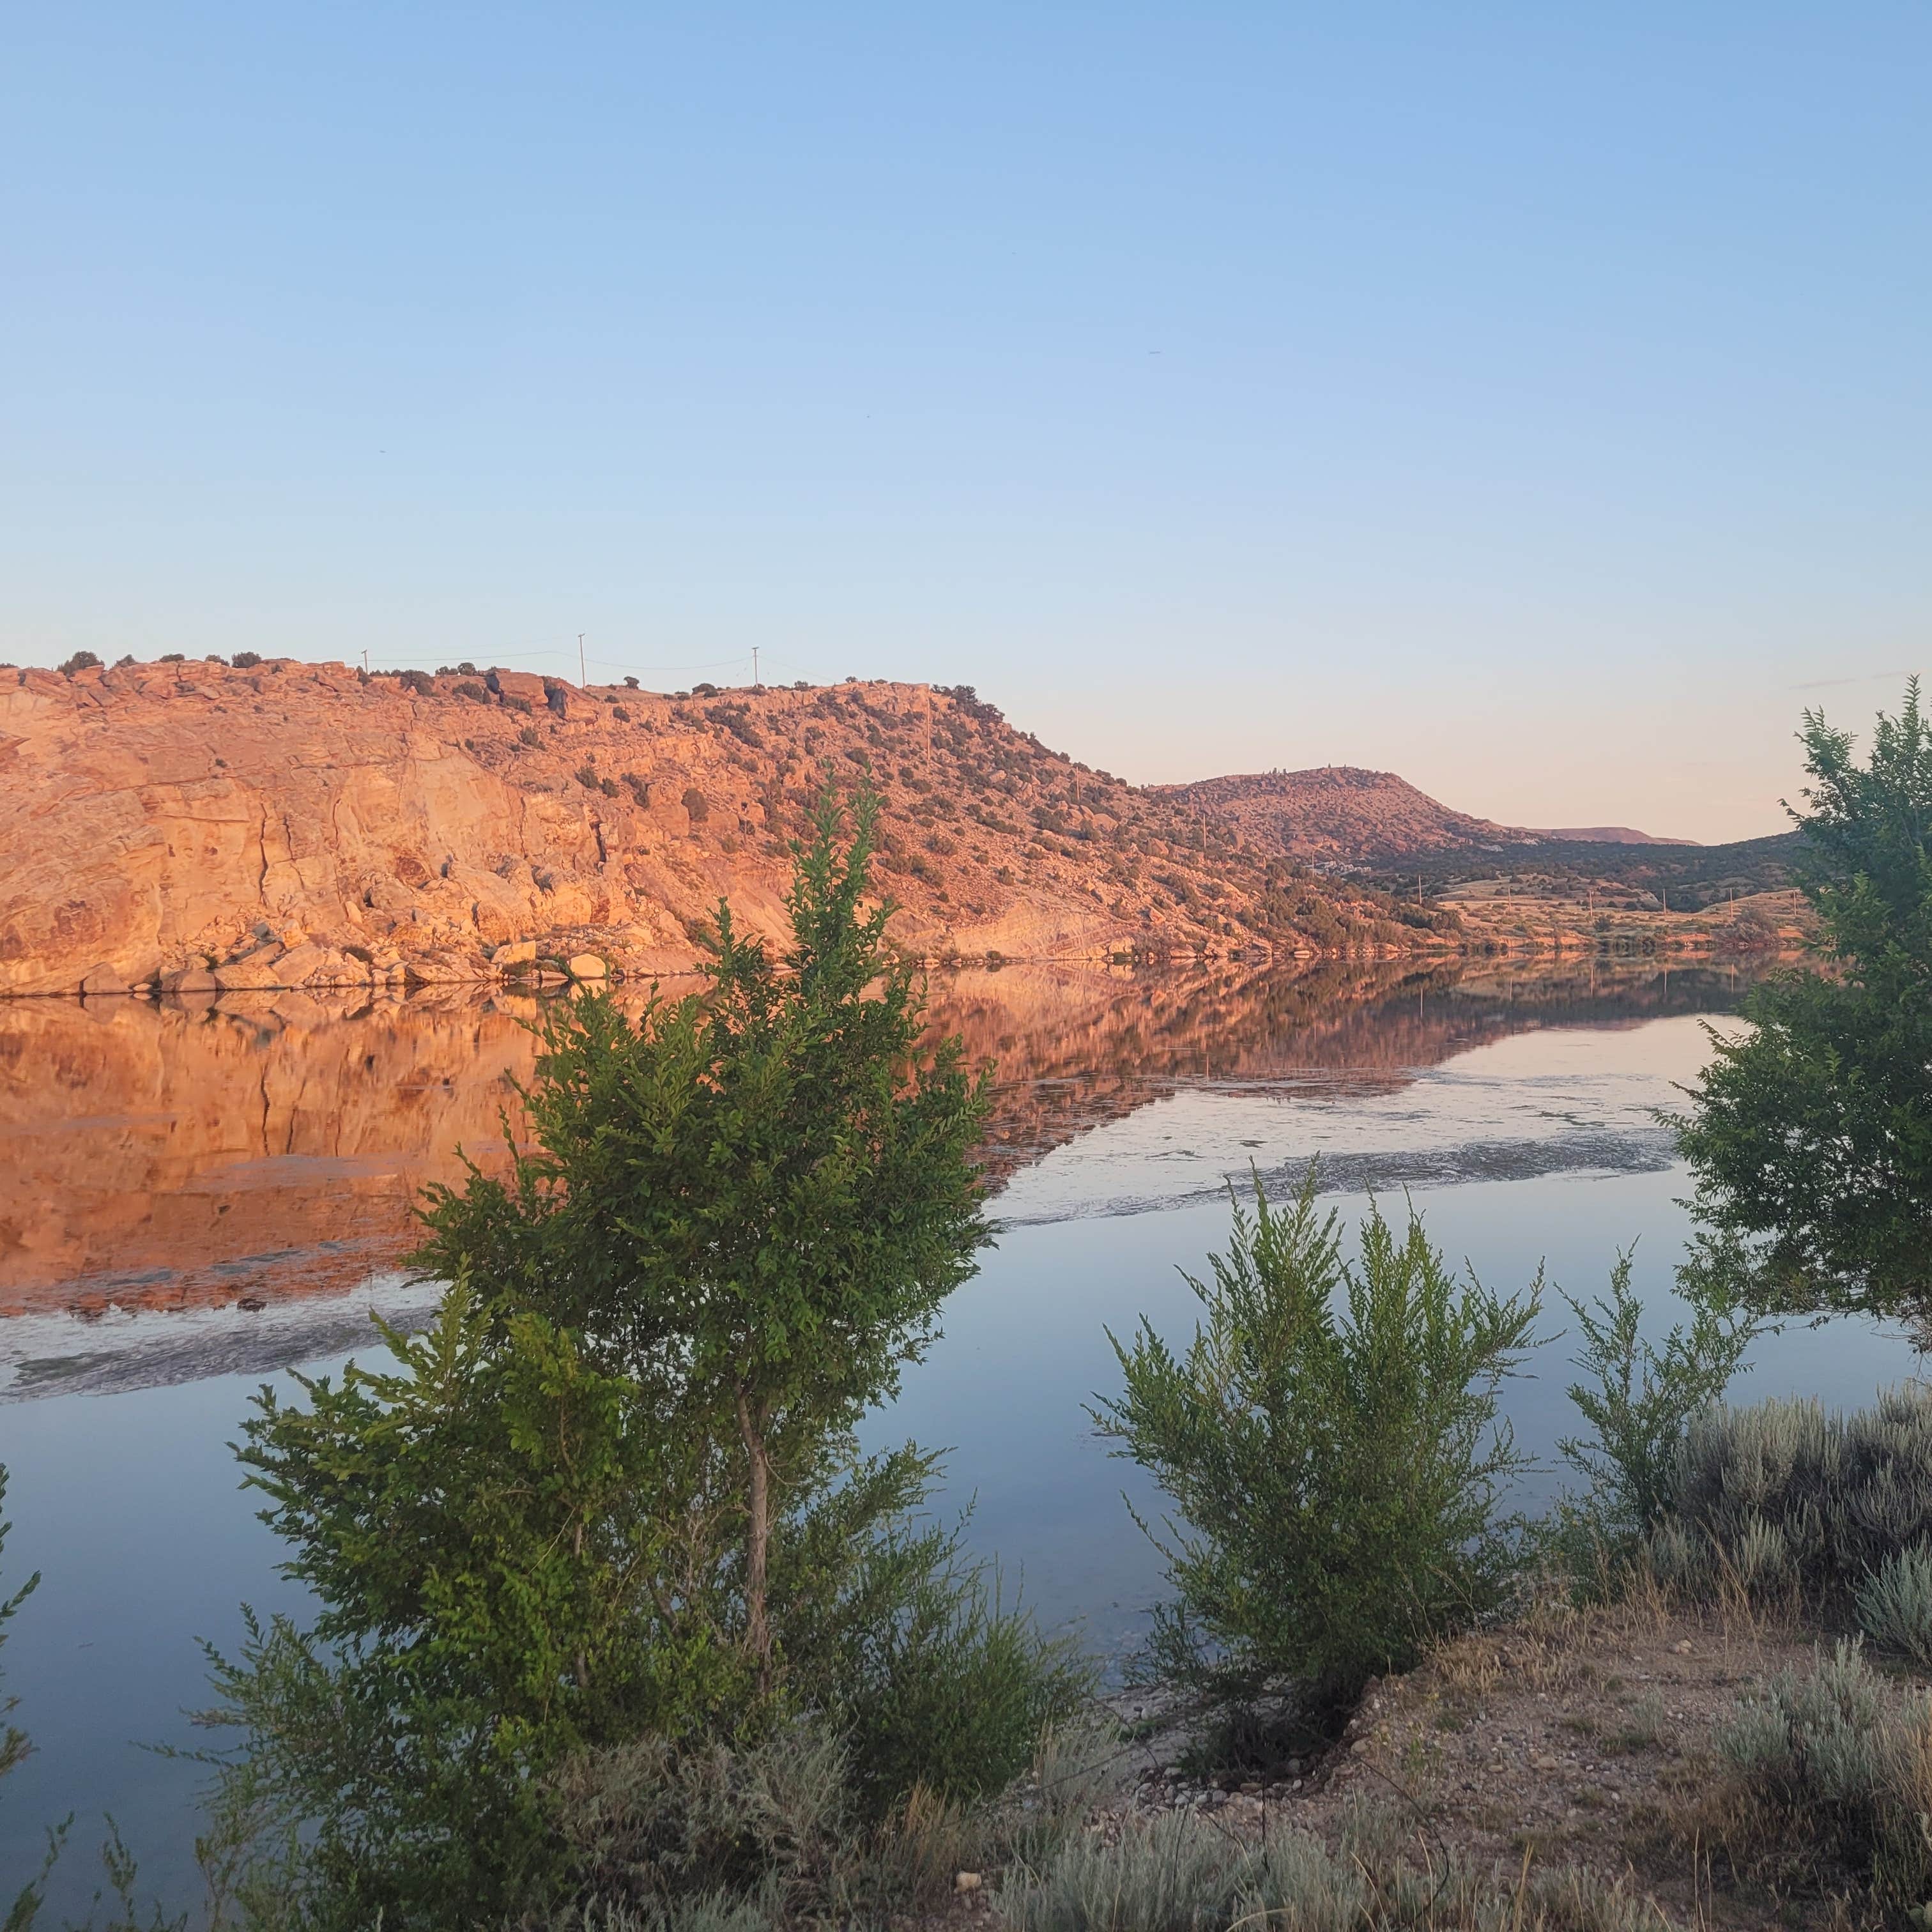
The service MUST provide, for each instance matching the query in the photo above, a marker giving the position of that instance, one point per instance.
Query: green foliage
(611, 1500)
(952, 1690)
(1639, 1400)
(493, 1530)
(1829, 1772)
(1812, 1135)
(1330, 1440)
(755, 1200)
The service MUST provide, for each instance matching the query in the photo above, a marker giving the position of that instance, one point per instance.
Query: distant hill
(1607, 835)
(1675, 874)
(1380, 830)
(1340, 814)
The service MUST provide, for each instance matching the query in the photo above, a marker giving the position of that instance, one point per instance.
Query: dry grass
(1580, 1743)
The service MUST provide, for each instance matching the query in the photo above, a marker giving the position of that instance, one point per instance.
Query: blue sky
(1536, 401)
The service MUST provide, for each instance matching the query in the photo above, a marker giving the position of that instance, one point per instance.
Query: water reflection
(164, 1156)
(1516, 1107)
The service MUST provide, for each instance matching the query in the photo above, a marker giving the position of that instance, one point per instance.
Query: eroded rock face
(302, 825)
(281, 830)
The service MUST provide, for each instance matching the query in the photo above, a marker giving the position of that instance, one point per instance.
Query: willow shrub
(1330, 1443)
(1640, 1399)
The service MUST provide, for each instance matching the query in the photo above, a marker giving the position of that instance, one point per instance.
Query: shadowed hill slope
(1340, 814)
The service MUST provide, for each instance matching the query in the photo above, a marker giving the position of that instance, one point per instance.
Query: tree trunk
(757, 1540)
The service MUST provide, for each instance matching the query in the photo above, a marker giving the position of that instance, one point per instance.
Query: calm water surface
(159, 1168)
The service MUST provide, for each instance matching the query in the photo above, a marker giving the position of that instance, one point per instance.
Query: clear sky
(1535, 400)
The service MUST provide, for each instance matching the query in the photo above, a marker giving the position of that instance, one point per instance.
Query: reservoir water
(194, 1200)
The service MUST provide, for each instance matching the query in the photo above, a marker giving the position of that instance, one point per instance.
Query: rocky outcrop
(292, 825)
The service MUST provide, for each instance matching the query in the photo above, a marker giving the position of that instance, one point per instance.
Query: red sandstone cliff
(294, 824)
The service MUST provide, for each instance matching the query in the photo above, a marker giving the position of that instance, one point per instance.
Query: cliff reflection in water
(165, 1157)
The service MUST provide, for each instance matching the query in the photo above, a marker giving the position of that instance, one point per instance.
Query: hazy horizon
(1535, 406)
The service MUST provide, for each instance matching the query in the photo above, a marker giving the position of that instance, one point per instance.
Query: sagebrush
(1828, 1777)
(1796, 1502)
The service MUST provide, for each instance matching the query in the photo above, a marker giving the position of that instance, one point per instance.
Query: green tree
(754, 1201)
(1329, 1441)
(613, 1493)
(1810, 1137)
(498, 1535)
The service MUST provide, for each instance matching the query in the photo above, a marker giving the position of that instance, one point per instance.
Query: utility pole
(755, 685)
(582, 680)
(365, 661)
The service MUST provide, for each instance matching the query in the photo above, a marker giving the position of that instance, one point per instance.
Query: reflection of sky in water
(129, 1503)
(1025, 1347)
(1537, 1103)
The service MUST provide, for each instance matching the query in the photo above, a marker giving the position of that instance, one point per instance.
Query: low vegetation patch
(1827, 1785)
(1180, 1874)
(1330, 1442)
(1833, 1511)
